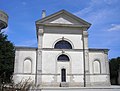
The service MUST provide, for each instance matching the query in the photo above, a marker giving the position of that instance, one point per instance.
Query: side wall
(25, 64)
(99, 67)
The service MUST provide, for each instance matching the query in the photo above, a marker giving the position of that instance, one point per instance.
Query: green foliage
(7, 54)
(114, 66)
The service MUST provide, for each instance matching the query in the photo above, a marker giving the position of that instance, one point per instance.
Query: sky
(104, 15)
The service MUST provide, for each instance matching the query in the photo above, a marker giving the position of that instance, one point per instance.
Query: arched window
(63, 58)
(63, 44)
(27, 66)
(96, 67)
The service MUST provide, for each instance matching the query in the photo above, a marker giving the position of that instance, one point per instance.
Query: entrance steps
(64, 84)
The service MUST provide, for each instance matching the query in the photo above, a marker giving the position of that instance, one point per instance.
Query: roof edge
(100, 49)
(63, 25)
(24, 47)
(63, 11)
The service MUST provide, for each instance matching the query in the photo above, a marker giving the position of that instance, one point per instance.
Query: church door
(63, 75)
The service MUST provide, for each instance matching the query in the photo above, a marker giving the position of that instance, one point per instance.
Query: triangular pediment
(63, 17)
(61, 20)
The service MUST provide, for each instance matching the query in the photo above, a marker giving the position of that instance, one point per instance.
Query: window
(63, 75)
(63, 45)
(27, 66)
(96, 67)
(63, 57)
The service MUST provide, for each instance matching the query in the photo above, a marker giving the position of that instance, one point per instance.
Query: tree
(114, 64)
(7, 54)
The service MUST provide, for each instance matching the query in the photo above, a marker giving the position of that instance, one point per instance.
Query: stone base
(73, 84)
(99, 84)
(62, 84)
(109, 88)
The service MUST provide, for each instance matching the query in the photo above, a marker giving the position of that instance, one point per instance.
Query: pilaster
(39, 57)
(106, 61)
(40, 33)
(107, 66)
(86, 57)
(39, 68)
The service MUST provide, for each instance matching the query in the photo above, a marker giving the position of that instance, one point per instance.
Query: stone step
(64, 84)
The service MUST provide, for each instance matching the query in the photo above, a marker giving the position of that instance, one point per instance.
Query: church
(62, 58)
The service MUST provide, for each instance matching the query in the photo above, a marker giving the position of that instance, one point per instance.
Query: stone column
(39, 57)
(86, 57)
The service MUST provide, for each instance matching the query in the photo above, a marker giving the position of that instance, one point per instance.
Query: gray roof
(96, 49)
(23, 47)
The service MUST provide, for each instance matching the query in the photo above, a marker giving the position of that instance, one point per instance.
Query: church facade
(62, 58)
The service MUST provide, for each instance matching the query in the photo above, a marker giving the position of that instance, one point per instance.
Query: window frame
(97, 60)
(28, 58)
(63, 75)
(64, 39)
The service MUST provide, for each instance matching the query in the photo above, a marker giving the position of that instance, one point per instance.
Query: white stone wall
(97, 78)
(51, 68)
(20, 56)
(21, 78)
(100, 56)
(49, 40)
